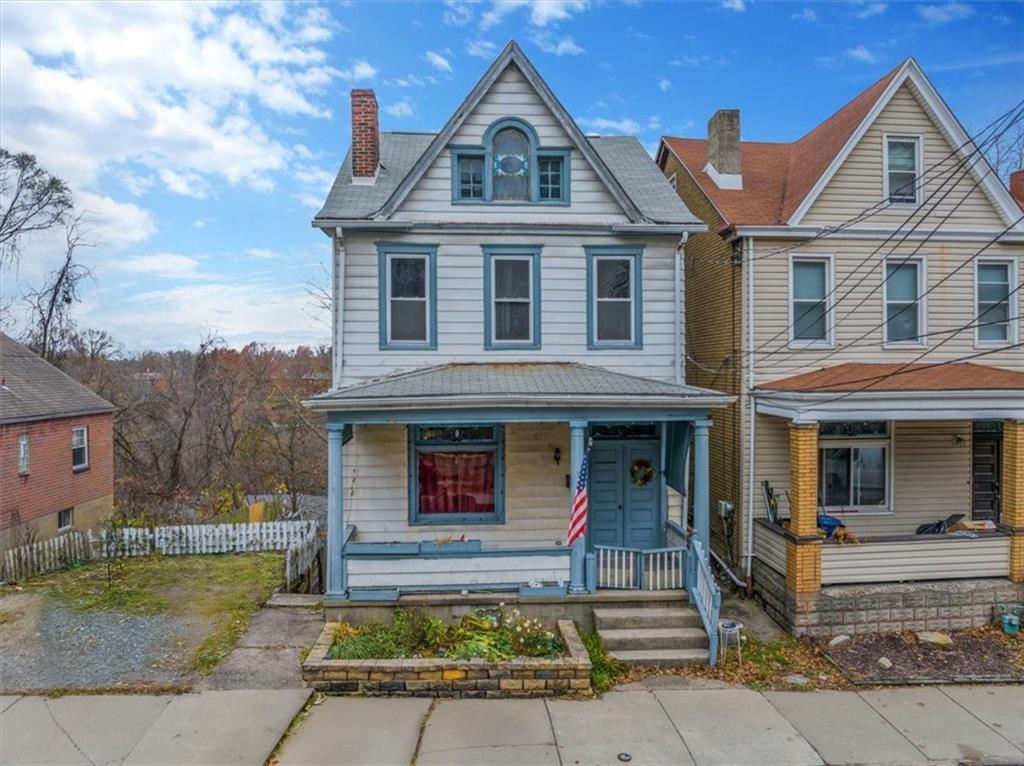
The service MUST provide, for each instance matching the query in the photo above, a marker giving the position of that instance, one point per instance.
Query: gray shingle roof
(625, 157)
(33, 389)
(512, 379)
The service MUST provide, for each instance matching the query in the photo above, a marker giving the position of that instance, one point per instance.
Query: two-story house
(858, 290)
(56, 450)
(508, 299)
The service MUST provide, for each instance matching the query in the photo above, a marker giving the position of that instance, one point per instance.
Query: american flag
(580, 503)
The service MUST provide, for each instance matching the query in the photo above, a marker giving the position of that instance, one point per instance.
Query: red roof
(857, 376)
(777, 177)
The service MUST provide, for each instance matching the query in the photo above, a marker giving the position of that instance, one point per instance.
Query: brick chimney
(724, 149)
(365, 136)
(1017, 186)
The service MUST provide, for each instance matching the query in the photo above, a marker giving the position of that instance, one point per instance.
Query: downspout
(748, 264)
(338, 309)
(680, 345)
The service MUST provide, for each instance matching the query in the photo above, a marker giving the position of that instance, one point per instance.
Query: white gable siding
(858, 184)
(460, 299)
(511, 96)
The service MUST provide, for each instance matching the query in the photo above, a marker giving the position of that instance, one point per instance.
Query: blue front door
(625, 494)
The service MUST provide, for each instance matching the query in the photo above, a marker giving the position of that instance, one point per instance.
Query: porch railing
(640, 569)
(704, 594)
(617, 567)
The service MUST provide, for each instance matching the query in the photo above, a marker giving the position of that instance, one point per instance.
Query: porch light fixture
(558, 455)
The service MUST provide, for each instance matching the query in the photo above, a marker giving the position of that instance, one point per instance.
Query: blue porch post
(701, 479)
(336, 587)
(577, 562)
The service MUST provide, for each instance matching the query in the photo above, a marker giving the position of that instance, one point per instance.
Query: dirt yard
(157, 623)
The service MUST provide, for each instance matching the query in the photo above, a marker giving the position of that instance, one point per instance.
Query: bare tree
(1007, 153)
(31, 199)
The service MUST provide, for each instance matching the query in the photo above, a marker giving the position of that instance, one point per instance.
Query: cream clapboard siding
(931, 474)
(940, 559)
(460, 298)
(858, 182)
(480, 570)
(536, 498)
(770, 547)
(511, 96)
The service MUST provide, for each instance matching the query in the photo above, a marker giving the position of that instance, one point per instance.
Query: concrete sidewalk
(979, 724)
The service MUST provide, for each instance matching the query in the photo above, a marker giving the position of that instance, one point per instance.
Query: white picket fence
(299, 540)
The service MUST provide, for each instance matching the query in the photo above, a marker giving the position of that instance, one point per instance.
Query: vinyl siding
(858, 183)
(511, 95)
(460, 298)
(923, 559)
(481, 570)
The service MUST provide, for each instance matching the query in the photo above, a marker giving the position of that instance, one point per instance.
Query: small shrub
(605, 670)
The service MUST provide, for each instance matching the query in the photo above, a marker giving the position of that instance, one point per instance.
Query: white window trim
(1013, 309)
(840, 442)
(830, 338)
(919, 160)
(922, 303)
(85, 430)
(71, 516)
(24, 457)
(529, 340)
(425, 299)
(631, 300)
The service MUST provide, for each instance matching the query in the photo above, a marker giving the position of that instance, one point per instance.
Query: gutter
(625, 229)
(325, 403)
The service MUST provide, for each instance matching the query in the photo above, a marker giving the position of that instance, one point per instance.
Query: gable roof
(33, 389)
(784, 179)
(620, 162)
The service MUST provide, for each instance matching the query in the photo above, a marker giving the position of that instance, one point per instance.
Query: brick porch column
(1011, 513)
(803, 547)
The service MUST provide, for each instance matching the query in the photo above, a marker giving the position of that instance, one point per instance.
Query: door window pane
(993, 301)
(902, 304)
(810, 309)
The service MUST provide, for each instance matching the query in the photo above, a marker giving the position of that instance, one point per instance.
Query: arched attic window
(510, 166)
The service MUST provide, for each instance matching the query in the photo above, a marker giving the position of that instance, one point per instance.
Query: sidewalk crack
(46, 704)
(423, 729)
(554, 734)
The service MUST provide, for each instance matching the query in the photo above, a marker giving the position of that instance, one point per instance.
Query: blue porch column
(577, 561)
(336, 587)
(701, 479)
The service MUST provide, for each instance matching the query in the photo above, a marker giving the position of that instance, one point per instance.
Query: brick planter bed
(438, 677)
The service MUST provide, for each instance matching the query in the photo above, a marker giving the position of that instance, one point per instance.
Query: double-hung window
(23, 462)
(408, 311)
(904, 301)
(810, 281)
(853, 466)
(456, 474)
(511, 296)
(615, 302)
(80, 448)
(994, 323)
(903, 170)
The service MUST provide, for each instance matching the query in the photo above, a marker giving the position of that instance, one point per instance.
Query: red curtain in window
(456, 482)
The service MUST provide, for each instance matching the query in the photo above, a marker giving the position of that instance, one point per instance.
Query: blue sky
(201, 138)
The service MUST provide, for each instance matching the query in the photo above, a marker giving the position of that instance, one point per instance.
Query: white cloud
(112, 224)
(262, 253)
(867, 10)
(944, 13)
(701, 62)
(202, 223)
(565, 46)
(400, 109)
(361, 69)
(188, 184)
(483, 49)
(860, 53)
(807, 14)
(410, 81)
(136, 184)
(665, 84)
(734, 5)
(162, 265)
(457, 13)
(625, 125)
(1004, 59)
(541, 12)
(439, 62)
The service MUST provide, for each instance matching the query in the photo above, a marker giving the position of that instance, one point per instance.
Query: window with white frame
(994, 323)
(512, 288)
(615, 308)
(23, 463)
(809, 286)
(902, 169)
(65, 519)
(80, 447)
(408, 316)
(853, 466)
(904, 305)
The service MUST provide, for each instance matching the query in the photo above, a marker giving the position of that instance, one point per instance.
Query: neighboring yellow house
(859, 290)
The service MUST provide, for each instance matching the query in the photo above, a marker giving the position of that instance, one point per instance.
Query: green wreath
(641, 472)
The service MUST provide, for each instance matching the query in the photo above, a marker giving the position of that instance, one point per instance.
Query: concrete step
(665, 617)
(664, 658)
(654, 638)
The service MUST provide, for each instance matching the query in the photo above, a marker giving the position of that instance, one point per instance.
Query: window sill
(23, 474)
(503, 346)
(993, 345)
(864, 511)
(456, 519)
(409, 347)
(898, 345)
(512, 203)
(79, 468)
(614, 347)
(811, 345)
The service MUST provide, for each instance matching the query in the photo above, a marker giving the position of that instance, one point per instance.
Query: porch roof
(564, 385)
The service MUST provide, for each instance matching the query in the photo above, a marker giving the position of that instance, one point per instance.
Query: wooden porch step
(662, 657)
(662, 617)
(654, 638)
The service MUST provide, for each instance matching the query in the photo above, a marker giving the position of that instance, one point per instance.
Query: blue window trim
(536, 151)
(635, 253)
(384, 249)
(533, 252)
(434, 519)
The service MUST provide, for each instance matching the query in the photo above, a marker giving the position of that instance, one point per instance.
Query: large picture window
(456, 474)
(904, 305)
(408, 314)
(810, 280)
(994, 323)
(853, 466)
(614, 297)
(511, 296)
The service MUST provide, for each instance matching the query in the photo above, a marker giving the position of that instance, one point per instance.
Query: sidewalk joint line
(796, 728)
(554, 734)
(973, 715)
(46, 704)
(895, 728)
(672, 721)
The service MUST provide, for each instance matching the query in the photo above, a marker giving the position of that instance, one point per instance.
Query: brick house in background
(56, 450)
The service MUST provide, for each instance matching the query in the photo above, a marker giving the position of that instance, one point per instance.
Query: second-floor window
(408, 311)
(902, 169)
(904, 305)
(80, 447)
(809, 286)
(23, 464)
(615, 311)
(994, 324)
(512, 297)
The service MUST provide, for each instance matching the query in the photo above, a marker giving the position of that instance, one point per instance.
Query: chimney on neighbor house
(1017, 186)
(724, 149)
(365, 136)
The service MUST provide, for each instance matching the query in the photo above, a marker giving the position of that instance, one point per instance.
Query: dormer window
(510, 168)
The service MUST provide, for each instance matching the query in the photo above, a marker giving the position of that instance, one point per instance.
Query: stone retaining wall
(438, 677)
(884, 607)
